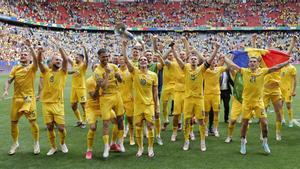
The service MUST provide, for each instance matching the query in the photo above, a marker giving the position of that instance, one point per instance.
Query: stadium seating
(157, 13)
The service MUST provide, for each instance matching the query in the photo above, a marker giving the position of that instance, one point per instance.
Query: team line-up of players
(131, 89)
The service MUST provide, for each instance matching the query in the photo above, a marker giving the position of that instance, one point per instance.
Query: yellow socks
(216, 120)
(15, 132)
(35, 130)
(150, 137)
(278, 127)
(202, 132)
(120, 136)
(230, 129)
(105, 139)
(157, 127)
(290, 114)
(114, 133)
(90, 139)
(139, 136)
(187, 129)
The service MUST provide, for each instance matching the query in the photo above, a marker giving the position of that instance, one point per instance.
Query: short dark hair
(100, 51)
(81, 55)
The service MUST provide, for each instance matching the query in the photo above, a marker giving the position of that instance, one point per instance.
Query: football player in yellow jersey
(135, 56)
(156, 67)
(288, 85)
(23, 76)
(110, 99)
(146, 104)
(272, 92)
(92, 111)
(179, 91)
(78, 91)
(212, 94)
(52, 98)
(193, 102)
(253, 80)
(168, 85)
(127, 96)
(236, 104)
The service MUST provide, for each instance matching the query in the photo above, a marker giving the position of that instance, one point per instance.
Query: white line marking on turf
(296, 122)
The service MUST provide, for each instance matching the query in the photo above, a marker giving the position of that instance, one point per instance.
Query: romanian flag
(268, 58)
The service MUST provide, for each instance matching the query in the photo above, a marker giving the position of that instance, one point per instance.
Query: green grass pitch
(285, 154)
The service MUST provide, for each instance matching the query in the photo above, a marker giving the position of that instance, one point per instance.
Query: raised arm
(154, 43)
(197, 53)
(124, 53)
(279, 66)
(40, 60)
(214, 54)
(293, 42)
(160, 60)
(65, 60)
(186, 46)
(232, 65)
(179, 61)
(253, 40)
(32, 52)
(86, 56)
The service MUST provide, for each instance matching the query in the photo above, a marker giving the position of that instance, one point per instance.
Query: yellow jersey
(212, 80)
(287, 77)
(126, 85)
(53, 86)
(194, 81)
(253, 84)
(179, 78)
(169, 76)
(23, 80)
(78, 80)
(272, 83)
(91, 87)
(112, 87)
(143, 84)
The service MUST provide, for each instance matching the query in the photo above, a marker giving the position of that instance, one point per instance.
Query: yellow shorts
(53, 112)
(212, 101)
(143, 112)
(250, 108)
(273, 98)
(92, 113)
(26, 106)
(194, 106)
(167, 94)
(178, 102)
(236, 109)
(287, 96)
(111, 102)
(128, 106)
(78, 95)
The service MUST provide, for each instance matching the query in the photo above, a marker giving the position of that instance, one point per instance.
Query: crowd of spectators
(12, 38)
(157, 13)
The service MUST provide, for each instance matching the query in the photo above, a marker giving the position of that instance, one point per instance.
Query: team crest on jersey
(193, 77)
(282, 73)
(83, 98)
(253, 79)
(52, 79)
(27, 99)
(143, 82)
